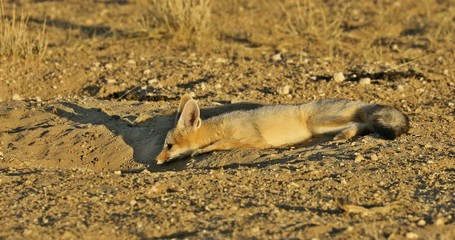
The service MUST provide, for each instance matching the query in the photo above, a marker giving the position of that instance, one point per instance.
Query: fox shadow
(145, 138)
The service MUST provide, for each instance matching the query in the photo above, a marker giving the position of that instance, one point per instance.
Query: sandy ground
(80, 128)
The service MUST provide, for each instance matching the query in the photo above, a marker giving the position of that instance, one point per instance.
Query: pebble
(110, 81)
(16, 97)
(339, 77)
(152, 81)
(203, 86)
(277, 57)
(218, 86)
(374, 157)
(412, 235)
(365, 81)
(440, 221)
(284, 90)
(118, 172)
(221, 60)
(421, 223)
(131, 61)
(359, 158)
(395, 48)
(399, 88)
(147, 71)
(158, 188)
(108, 66)
(133, 202)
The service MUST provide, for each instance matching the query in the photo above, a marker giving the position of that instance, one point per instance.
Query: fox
(277, 126)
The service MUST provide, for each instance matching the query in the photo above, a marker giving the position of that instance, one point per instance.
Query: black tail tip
(386, 132)
(389, 132)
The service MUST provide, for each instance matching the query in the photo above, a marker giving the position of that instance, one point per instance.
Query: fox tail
(387, 121)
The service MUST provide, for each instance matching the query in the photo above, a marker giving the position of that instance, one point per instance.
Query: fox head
(180, 141)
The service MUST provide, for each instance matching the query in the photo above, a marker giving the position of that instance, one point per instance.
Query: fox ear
(190, 116)
(185, 98)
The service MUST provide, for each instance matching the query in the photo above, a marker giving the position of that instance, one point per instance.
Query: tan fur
(274, 126)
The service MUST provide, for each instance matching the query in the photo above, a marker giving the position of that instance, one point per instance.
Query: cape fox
(274, 126)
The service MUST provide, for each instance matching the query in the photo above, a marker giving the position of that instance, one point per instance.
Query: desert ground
(89, 89)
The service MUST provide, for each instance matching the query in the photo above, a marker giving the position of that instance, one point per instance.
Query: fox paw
(196, 152)
(341, 138)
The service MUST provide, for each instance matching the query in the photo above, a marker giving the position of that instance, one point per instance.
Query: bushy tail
(387, 121)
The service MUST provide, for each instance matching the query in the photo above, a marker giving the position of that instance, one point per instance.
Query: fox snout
(162, 157)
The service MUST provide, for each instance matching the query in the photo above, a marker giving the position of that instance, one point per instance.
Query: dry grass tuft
(189, 20)
(16, 42)
(313, 20)
(445, 26)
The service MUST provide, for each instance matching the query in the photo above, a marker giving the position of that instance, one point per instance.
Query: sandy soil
(79, 129)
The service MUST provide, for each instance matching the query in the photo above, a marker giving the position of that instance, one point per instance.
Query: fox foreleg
(226, 144)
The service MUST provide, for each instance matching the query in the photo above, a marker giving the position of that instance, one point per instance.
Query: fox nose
(161, 158)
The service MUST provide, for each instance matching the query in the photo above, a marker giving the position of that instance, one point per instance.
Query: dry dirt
(79, 128)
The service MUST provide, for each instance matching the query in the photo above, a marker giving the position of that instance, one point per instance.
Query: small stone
(221, 60)
(365, 81)
(203, 86)
(412, 235)
(421, 223)
(152, 81)
(158, 188)
(339, 77)
(399, 88)
(111, 81)
(218, 86)
(395, 48)
(374, 157)
(16, 97)
(359, 158)
(118, 172)
(451, 104)
(284, 90)
(147, 71)
(277, 57)
(440, 221)
(133, 202)
(108, 66)
(131, 62)
(38, 99)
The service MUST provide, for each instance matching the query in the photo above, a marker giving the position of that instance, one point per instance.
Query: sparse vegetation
(16, 41)
(445, 25)
(313, 21)
(189, 20)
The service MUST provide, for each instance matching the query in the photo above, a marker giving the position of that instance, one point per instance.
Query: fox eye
(169, 146)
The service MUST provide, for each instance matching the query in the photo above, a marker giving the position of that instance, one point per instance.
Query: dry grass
(444, 29)
(313, 21)
(188, 20)
(16, 41)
